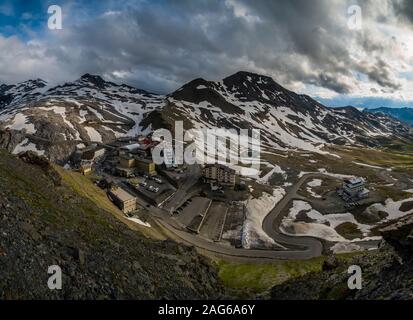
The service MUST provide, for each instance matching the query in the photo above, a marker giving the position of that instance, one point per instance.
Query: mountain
(45, 221)
(26, 91)
(56, 119)
(88, 109)
(287, 120)
(402, 114)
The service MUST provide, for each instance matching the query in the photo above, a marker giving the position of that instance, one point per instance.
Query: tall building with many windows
(220, 174)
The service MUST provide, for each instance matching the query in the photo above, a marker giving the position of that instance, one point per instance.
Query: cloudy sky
(316, 47)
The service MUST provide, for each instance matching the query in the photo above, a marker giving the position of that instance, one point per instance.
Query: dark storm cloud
(159, 45)
(381, 74)
(404, 8)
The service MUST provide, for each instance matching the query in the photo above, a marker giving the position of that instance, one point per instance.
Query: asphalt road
(309, 246)
(295, 247)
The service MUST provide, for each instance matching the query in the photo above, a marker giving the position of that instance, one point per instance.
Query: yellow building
(122, 199)
(145, 165)
(127, 162)
(86, 169)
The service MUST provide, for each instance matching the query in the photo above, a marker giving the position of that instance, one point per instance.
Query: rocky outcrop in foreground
(43, 222)
(386, 273)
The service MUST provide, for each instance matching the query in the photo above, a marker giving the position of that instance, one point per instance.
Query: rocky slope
(91, 109)
(386, 273)
(43, 222)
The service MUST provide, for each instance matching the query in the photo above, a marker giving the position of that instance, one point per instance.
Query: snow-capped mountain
(287, 120)
(11, 95)
(86, 110)
(56, 119)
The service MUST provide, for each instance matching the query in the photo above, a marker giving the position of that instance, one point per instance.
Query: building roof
(364, 191)
(354, 181)
(126, 157)
(131, 147)
(122, 194)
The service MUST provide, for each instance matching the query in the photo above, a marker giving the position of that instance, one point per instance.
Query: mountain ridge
(91, 109)
(403, 114)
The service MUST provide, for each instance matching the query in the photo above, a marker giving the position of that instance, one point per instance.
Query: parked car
(158, 180)
(153, 189)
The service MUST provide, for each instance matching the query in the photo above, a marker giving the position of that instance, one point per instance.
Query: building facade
(85, 168)
(145, 165)
(92, 153)
(126, 161)
(355, 188)
(220, 174)
(122, 199)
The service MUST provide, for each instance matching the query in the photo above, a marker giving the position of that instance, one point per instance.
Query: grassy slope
(249, 279)
(84, 187)
(386, 159)
(394, 154)
(47, 223)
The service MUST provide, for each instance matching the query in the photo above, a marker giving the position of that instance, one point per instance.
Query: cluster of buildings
(136, 158)
(124, 158)
(88, 155)
(132, 155)
(130, 158)
(130, 164)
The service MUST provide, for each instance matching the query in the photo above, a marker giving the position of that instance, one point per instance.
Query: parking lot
(154, 188)
(214, 221)
(191, 210)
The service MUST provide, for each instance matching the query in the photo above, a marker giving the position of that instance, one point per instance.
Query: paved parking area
(196, 207)
(165, 190)
(214, 221)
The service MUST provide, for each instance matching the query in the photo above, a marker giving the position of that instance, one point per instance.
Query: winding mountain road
(296, 247)
(308, 246)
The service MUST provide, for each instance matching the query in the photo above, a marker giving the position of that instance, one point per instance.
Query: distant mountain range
(58, 118)
(402, 114)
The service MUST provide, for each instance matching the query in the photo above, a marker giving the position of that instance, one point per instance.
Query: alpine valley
(284, 230)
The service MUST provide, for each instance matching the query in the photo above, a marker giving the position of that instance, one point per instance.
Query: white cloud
(304, 45)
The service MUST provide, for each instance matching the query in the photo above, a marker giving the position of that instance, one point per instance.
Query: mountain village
(300, 196)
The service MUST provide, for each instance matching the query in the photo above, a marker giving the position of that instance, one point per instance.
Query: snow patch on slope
(257, 210)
